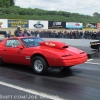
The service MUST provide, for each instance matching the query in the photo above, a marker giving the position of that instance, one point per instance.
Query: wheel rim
(38, 65)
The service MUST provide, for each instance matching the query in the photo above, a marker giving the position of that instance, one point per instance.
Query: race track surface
(80, 82)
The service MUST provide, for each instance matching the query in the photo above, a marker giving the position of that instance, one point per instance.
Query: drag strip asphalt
(81, 82)
(9, 92)
(95, 61)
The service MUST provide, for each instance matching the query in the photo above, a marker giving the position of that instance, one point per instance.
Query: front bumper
(70, 62)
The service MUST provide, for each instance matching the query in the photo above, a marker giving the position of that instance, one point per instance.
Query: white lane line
(34, 92)
(93, 63)
(89, 59)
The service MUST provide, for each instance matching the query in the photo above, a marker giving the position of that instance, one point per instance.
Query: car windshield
(30, 42)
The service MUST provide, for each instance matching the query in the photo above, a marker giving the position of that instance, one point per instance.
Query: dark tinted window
(30, 42)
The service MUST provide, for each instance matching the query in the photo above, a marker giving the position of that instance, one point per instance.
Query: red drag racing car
(39, 54)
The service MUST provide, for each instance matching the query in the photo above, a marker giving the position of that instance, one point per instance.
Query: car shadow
(60, 73)
(56, 73)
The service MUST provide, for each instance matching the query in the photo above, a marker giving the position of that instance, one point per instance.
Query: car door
(12, 53)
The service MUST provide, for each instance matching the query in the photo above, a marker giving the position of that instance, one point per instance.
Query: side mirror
(20, 46)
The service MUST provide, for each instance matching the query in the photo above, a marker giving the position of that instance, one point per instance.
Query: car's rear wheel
(39, 65)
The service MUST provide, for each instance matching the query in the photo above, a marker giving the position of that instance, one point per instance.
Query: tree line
(7, 3)
(8, 10)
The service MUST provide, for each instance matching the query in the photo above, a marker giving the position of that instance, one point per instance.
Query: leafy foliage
(9, 11)
(7, 3)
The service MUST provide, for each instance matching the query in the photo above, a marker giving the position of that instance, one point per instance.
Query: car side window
(12, 43)
(17, 43)
(36, 41)
(31, 42)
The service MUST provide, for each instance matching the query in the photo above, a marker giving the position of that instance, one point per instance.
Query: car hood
(72, 53)
(54, 44)
(63, 50)
(75, 50)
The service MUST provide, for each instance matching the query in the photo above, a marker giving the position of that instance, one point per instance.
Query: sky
(86, 7)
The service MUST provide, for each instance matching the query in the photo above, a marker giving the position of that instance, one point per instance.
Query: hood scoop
(54, 44)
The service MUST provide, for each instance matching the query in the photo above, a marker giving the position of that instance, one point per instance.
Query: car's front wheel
(39, 65)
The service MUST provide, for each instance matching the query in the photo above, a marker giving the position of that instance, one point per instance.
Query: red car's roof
(27, 37)
(17, 38)
(23, 37)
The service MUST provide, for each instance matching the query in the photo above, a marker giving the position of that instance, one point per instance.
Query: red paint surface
(56, 53)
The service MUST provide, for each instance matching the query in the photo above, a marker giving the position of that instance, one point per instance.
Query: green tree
(8, 10)
(6, 3)
(12, 2)
(96, 14)
(1, 3)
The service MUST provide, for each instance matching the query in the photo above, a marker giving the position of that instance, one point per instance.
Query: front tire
(39, 65)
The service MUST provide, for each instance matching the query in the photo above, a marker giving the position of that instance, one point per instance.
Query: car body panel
(13, 55)
(55, 53)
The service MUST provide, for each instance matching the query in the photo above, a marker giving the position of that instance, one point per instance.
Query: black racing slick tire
(39, 65)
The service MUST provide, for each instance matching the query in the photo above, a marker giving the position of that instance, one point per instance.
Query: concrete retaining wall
(73, 42)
